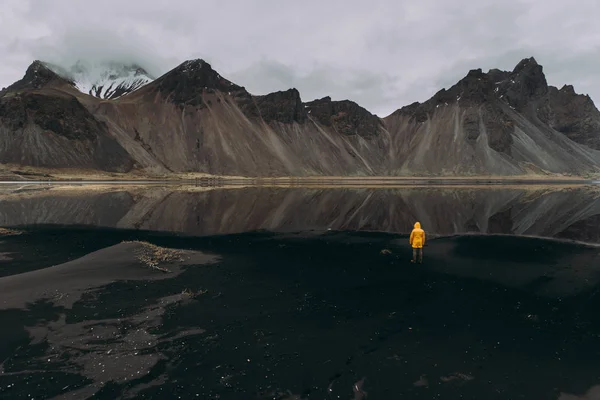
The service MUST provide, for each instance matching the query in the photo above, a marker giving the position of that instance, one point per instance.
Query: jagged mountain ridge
(109, 80)
(511, 121)
(192, 119)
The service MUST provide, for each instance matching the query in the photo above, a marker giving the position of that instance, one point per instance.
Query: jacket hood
(417, 225)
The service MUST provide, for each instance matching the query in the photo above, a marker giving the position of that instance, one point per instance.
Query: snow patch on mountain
(109, 80)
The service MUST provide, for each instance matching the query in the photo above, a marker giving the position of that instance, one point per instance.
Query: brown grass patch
(154, 256)
(9, 232)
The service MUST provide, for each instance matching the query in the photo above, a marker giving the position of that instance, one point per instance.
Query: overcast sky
(383, 54)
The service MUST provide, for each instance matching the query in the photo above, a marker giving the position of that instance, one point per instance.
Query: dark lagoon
(187, 292)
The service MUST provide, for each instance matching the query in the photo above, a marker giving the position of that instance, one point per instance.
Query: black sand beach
(312, 315)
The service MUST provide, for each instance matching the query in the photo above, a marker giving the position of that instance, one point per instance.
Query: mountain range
(116, 118)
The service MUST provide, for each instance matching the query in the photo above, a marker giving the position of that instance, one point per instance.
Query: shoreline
(14, 174)
(308, 183)
(377, 181)
(18, 173)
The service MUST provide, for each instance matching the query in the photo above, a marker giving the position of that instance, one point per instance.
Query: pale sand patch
(65, 283)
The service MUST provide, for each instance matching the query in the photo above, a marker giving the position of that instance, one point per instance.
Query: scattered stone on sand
(280, 394)
(116, 350)
(153, 256)
(456, 376)
(191, 294)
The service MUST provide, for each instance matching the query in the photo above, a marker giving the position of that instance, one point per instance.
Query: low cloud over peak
(382, 55)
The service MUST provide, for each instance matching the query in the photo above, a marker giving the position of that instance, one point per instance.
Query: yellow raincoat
(417, 237)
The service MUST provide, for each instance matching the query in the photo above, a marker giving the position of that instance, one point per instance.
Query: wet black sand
(312, 316)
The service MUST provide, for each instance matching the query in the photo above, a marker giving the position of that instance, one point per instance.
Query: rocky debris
(346, 117)
(155, 257)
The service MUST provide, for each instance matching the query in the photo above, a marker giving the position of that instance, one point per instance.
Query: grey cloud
(383, 54)
(374, 90)
(97, 46)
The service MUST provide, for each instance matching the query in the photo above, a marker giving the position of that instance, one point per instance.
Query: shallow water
(271, 304)
(569, 212)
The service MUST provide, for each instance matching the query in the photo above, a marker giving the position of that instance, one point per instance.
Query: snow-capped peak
(108, 80)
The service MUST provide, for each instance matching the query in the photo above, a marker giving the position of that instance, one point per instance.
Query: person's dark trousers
(417, 253)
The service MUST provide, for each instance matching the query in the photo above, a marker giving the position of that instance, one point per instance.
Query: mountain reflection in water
(569, 212)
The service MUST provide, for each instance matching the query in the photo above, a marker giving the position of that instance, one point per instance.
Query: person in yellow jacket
(417, 241)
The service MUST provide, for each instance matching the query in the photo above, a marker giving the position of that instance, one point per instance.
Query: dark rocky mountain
(498, 122)
(37, 76)
(43, 124)
(192, 119)
(345, 117)
(575, 115)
